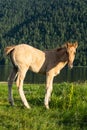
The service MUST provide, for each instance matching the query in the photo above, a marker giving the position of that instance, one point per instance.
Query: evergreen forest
(44, 24)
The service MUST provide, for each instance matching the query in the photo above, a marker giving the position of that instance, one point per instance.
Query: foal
(50, 63)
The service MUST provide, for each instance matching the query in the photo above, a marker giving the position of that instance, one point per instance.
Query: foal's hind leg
(10, 82)
(19, 82)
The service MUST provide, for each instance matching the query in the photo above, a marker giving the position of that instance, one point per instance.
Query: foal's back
(28, 57)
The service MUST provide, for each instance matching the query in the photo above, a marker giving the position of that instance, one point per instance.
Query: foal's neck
(62, 54)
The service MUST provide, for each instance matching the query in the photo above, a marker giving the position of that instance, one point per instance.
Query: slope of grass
(68, 108)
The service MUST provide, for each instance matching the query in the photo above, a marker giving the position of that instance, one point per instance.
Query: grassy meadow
(68, 108)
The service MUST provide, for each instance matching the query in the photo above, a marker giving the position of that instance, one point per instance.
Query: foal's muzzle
(70, 66)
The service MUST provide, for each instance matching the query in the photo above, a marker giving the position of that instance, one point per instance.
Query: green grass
(68, 108)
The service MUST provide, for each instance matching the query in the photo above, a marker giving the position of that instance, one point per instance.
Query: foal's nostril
(71, 66)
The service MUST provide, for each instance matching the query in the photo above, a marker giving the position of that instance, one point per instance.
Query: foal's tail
(9, 49)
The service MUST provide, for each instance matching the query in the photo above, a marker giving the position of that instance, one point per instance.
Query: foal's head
(71, 50)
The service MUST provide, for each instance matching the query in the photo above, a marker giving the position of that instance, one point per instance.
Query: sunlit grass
(68, 108)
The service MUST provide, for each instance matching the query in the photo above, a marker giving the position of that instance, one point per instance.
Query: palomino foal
(50, 63)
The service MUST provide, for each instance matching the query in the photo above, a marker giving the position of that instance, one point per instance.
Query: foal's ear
(67, 45)
(76, 44)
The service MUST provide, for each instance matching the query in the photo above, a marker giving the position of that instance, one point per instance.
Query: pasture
(68, 108)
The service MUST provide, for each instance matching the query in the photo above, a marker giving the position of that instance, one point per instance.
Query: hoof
(47, 107)
(27, 106)
(11, 103)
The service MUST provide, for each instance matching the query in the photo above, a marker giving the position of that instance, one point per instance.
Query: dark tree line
(44, 24)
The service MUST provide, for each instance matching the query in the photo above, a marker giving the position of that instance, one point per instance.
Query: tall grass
(68, 108)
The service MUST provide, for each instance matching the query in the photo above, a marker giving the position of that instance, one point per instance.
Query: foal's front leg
(49, 87)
